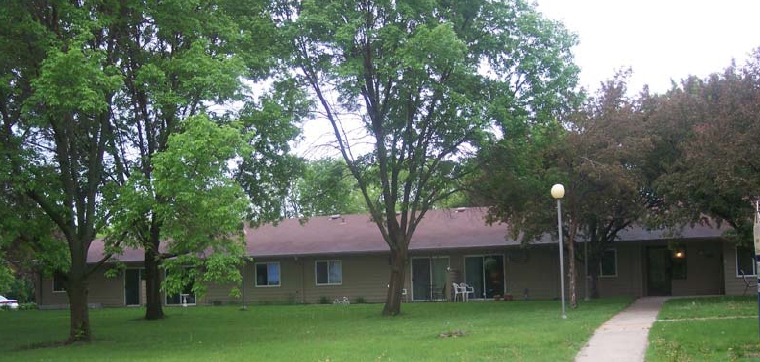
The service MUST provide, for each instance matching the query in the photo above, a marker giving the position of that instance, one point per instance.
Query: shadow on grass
(41, 345)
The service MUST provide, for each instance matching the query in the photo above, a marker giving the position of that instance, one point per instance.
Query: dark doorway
(429, 278)
(485, 274)
(132, 287)
(658, 271)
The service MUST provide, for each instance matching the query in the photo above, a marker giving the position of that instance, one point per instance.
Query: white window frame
(256, 274)
(616, 265)
(316, 276)
(736, 264)
(52, 286)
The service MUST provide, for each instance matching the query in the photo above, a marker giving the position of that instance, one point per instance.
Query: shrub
(360, 300)
(27, 306)
(324, 300)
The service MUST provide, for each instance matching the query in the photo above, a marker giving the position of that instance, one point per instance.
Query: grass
(706, 329)
(492, 331)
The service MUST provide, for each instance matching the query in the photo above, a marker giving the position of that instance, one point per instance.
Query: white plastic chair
(465, 290)
(746, 282)
(458, 291)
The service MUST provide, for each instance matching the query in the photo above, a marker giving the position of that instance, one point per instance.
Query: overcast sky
(659, 39)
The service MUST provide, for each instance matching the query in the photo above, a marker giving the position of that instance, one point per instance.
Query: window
(58, 285)
(745, 261)
(608, 264)
(268, 274)
(329, 272)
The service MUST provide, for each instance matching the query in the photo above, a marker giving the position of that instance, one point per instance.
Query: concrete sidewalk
(624, 337)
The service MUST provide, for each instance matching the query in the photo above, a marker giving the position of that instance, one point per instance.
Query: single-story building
(328, 258)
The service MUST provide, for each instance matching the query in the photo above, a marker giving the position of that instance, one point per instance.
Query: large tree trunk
(77, 290)
(396, 284)
(594, 290)
(153, 306)
(572, 275)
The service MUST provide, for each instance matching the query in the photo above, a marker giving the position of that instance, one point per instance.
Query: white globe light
(558, 191)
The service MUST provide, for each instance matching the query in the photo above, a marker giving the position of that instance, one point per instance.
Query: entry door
(485, 274)
(429, 278)
(132, 287)
(658, 271)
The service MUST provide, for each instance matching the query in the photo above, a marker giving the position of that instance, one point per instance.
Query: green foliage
(6, 278)
(327, 188)
(91, 96)
(706, 134)
(27, 306)
(198, 204)
(20, 288)
(74, 80)
(56, 106)
(268, 172)
(597, 152)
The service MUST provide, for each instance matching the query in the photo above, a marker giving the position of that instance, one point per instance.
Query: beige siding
(734, 284)
(704, 273)
(219, 293)
(108, 292)
(629, 280)
(49, 297)
(363, 276)
(289, 289)
(533, 273)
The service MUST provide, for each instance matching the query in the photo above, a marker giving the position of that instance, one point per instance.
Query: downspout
(303, 282)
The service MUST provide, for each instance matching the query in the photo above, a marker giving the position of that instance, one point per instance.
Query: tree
(178, 59)
(707, 136)
(597, 153)
(197, 202)
(28, 242)
(91, 98)
(174, 57)
(427, 81)
(327, 188)
(269, 172)
(54, 104)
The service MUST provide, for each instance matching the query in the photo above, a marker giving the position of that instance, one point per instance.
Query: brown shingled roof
(439, 229)
(354, 234)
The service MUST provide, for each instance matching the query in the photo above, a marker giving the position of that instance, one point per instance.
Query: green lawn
(706, 329)
(493, 331)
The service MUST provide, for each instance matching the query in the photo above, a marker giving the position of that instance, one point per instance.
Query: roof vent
(335, 217)
(461, 209)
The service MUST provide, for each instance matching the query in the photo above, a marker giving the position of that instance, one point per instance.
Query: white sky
(660, 40)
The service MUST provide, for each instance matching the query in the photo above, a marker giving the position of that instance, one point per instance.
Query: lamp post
(558, 192)
(756, 235)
